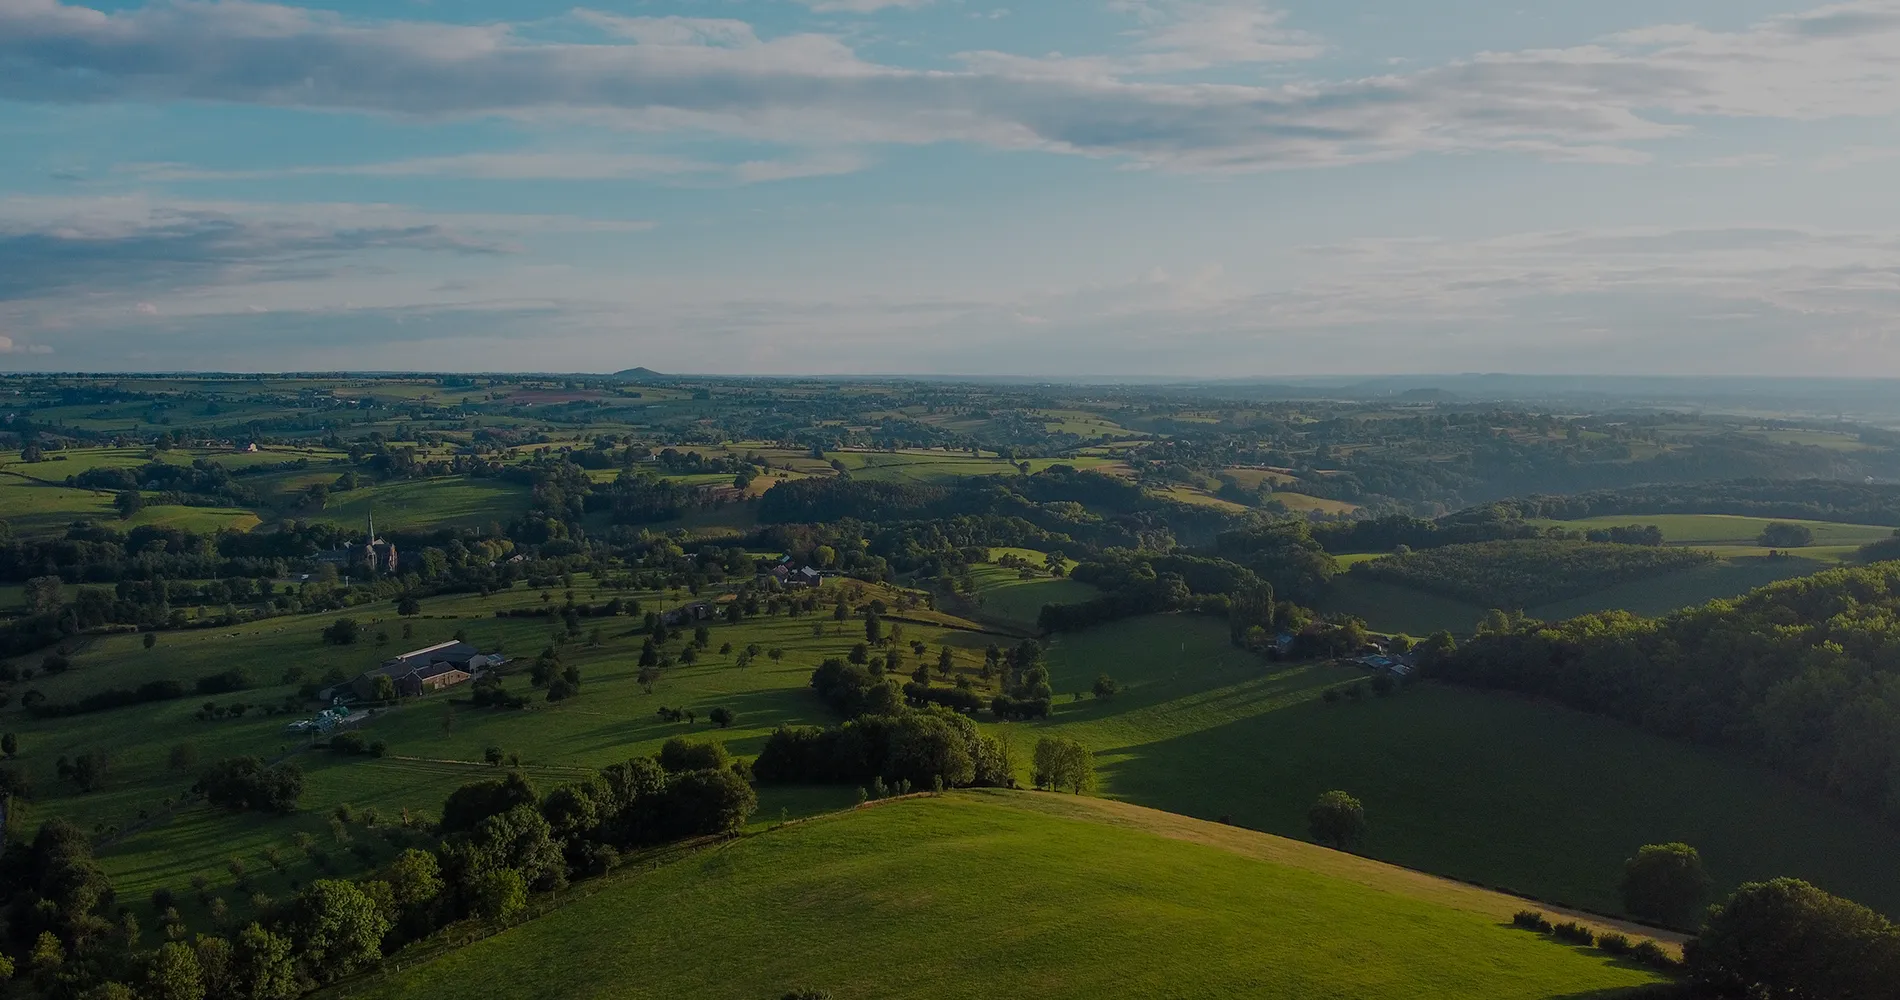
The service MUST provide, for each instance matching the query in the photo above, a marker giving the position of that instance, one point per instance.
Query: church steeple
(372, 524)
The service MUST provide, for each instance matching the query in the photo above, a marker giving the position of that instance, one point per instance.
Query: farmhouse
(804, 576)
(430, 668)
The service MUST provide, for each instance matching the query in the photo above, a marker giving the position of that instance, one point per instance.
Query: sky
(1192, 188)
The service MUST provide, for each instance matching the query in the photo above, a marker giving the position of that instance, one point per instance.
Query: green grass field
(976, 896)
(1201, 729)
(1300, 503)
(1013, 601)
(449, 501)
(1390, 607)
(1720, 530)
(35, 508)
(433, 747)
(1483, 787)
(939, 467)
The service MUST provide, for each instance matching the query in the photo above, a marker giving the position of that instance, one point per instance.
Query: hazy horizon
(1166, 189)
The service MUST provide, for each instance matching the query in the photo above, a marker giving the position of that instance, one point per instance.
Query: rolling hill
(976, 895)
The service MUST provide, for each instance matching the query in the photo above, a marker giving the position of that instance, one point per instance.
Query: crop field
(1483, 787)
(862, 883)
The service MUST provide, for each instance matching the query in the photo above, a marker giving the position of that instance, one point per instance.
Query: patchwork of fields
(1741, 565)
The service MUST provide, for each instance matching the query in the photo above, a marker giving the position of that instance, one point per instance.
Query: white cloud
(1857, 156)
(559, 165)
(861, 6)
(1740, 161)
(1655, 300)
(720, 32)
(1599, 102)
(10, 346)
(1192, 34)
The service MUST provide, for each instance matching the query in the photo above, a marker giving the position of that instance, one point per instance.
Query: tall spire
(372, 522)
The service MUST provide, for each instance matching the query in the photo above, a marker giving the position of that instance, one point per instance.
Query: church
(376, 553)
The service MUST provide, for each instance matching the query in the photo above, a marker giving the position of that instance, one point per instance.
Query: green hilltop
(985, 894)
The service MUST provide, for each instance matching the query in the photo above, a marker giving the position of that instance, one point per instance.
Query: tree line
(1521, 574)
(1803, 674)
(499, 840)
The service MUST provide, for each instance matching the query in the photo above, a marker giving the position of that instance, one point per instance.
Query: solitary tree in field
(1665, 883)
(1337, 820)
(343, 632)
(151, 639)
(408, 605)
(1106, 687)
(721, 717)
(10, 745)
(1060, 762)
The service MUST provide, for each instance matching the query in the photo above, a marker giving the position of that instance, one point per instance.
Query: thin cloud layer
(1597, 102)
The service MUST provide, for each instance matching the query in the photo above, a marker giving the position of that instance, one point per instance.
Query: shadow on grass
(767, 709)
(1504, 792)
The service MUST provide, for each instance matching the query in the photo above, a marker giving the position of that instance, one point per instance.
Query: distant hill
(639, 374)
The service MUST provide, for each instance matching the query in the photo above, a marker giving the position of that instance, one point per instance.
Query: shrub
(1652, 954)
(1612, 943)
(1530, 920)
(1574, 933)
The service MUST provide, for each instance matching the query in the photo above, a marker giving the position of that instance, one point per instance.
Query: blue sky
(1181, 187)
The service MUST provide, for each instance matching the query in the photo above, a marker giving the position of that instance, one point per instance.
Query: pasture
(1009, 599)
(1727, 530)
(1301, 503)
(972, 895)
(422, 504)
(36, 508)
(435, 745)
(1483, 787)
(1393, 608)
